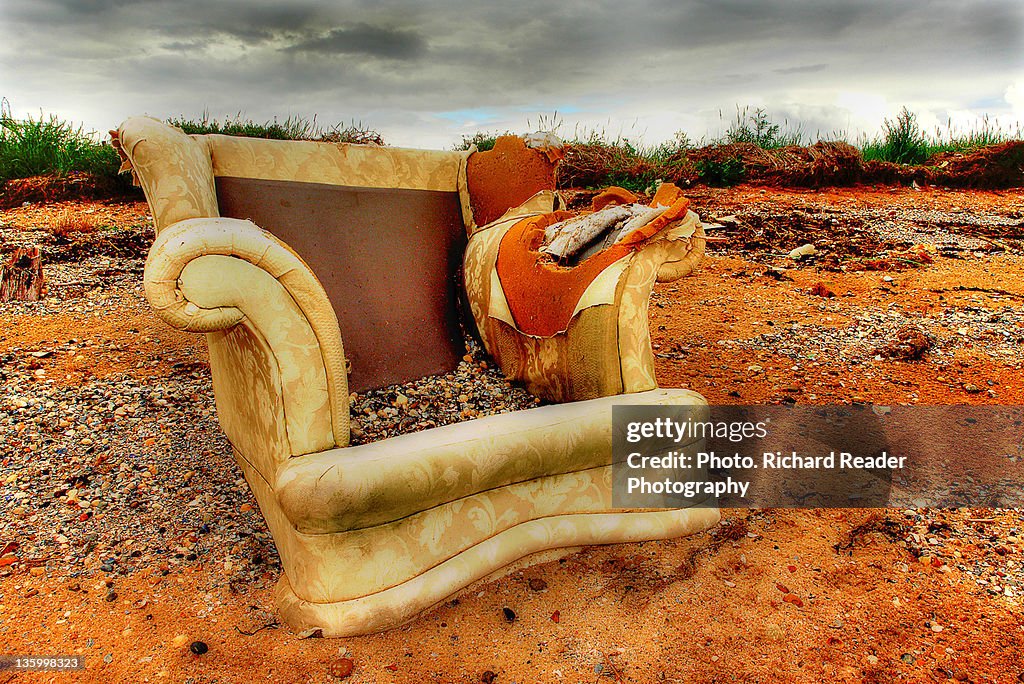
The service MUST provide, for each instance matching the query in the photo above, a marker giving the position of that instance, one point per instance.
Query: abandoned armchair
(280, 251)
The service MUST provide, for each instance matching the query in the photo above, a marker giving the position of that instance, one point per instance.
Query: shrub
(758, 128)
(903, 142)
(722, 173)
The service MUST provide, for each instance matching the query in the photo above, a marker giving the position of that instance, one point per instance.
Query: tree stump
(21, 278)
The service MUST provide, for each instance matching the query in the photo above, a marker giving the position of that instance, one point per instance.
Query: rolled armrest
(678, 250)
(213, 274)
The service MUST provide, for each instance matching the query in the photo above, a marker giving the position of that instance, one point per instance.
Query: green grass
(291, 128)
(723, 173)
(904, 142)
(30, 147)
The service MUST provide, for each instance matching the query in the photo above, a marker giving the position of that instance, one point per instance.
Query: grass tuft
(70, 223)
(757, 127)
(902, 143)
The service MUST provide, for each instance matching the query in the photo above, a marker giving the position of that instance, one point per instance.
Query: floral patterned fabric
(279, 290)
(343, 489)
(371, 535)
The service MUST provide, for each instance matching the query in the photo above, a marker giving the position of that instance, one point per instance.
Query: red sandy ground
(704, 609)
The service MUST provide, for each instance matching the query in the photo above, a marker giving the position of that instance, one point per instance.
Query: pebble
(198, 647)
(341, 668)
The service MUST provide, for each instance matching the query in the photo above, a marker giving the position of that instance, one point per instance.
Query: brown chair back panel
(389, 260)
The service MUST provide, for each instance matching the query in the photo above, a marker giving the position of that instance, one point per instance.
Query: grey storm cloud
(400, 63)
(365, 39)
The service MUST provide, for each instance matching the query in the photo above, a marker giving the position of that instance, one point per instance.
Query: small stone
(819, 289)
(872, 660)
(556, 617)
(111, 596)
(802, 252)
(794, 599)
(488, 677)
(179, 641)
(198, 647)
(510, 615)
(908, 658)
(537, 584)
(341, 668)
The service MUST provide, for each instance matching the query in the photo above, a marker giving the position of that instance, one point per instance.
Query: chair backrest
(383, 229)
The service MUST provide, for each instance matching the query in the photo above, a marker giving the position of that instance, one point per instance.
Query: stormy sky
(425, 74)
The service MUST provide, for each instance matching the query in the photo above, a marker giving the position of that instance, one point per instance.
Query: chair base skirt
(525, 544)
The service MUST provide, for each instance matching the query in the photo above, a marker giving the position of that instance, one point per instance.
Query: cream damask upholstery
(371, 535)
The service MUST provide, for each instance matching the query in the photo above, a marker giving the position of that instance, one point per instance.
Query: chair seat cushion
(372, 484)
(543, 295)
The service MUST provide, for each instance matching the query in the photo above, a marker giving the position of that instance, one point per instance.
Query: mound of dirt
(888, 173)
(821, 164)
(594, 165)
(995, 166)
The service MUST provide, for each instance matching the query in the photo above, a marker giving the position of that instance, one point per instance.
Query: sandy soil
(768, 596)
